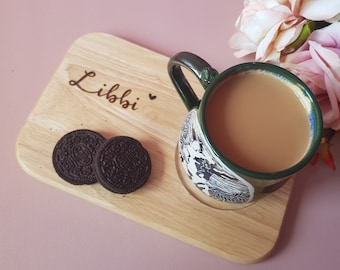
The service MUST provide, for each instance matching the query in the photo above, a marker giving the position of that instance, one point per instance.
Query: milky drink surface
(258, 122)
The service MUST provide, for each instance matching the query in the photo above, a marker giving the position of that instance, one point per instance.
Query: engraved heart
(152, 97)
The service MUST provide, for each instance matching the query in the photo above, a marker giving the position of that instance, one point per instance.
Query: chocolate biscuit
(122, 165)
(73, 156)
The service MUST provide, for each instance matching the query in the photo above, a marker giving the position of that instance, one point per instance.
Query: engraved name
(112, 94)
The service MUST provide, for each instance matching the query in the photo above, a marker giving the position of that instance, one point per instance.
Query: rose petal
(241, 43)
(319, 10)
(336, 18)
(325, 58)
(329, 62)
(258, 25)
(286, 37)
(328, 36)
(264, 45)
(297, 57)
(334, 104)
(306, 69)
(295, 5)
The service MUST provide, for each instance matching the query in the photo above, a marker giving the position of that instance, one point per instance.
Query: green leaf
(307, 29)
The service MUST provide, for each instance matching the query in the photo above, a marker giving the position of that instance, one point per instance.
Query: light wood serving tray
(115, 87)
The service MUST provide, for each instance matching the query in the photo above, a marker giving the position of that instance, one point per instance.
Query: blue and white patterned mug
(206, 172)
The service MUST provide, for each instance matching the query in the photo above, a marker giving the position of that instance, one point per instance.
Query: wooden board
(115, 87)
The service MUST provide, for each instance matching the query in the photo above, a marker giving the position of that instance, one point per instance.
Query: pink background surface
(45, 228)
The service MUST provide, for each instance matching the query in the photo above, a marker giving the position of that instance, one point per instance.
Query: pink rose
(317, 63)
(266, 27)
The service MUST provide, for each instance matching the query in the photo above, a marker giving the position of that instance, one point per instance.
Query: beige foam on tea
(256, 120)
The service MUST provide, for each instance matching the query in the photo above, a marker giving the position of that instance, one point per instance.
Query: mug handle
(203, 71)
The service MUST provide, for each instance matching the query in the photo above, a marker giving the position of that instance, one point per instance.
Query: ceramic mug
(209, 173)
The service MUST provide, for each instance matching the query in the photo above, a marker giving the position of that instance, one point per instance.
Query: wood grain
(143, 104)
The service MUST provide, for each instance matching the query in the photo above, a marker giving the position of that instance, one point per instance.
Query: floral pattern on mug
(205, 170)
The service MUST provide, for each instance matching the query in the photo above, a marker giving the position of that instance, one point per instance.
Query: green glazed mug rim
(275, 70)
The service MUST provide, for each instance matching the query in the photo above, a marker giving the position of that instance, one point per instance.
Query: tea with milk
(257, 121)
